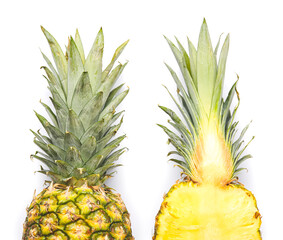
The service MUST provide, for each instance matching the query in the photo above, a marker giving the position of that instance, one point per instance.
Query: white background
(256, 51)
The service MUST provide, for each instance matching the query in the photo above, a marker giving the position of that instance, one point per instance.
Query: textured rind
(80, 213)
(176, 186)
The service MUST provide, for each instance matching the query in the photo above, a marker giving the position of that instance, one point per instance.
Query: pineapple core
(211, 162)
(205, 212)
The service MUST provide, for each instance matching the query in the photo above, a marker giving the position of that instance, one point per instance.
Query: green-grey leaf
(93, 179)
(108, 149)
(58, 56)
(206, 68)
(227, 103)
(114, 156)
(244, 148)
(241, 136)
(184, 114)
(82, 93)
(53, 175)
(91, 110)
(98, 126)
(54, 133)
(70, 140)
(74, 124)
(179, 124)
(51, 165)
(177, 142)
(93, 63)
(185, 57)
(241, 160)
(94, 130)
(110, 80)
(113, 93)
(51, 114)
(114, 103)
(189, 103)
(79, 44)
(44, 147)
(59, 151)
(111, 133)
(50, 65)
(220, 75)
(193, 62)
(73, 157)
(53, 80)
(102, 170)
(93, 162)
(117, 53)
(87, 148)
(38, 136)
(61, 114)
(63, 167)
(75, 69)
(217, 46)
(109, 123)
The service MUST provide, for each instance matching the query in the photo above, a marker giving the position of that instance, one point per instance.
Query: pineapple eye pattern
(78, 146)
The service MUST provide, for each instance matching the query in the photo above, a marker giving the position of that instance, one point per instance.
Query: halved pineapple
(210, 203)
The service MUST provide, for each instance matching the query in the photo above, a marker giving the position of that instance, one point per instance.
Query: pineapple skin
(77, 213)
(201, 212)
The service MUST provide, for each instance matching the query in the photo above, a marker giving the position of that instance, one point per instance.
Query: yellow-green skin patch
(206, 212)
(82, 213)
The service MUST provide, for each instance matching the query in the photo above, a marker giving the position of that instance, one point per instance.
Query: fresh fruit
(209, 203)
(79, 151)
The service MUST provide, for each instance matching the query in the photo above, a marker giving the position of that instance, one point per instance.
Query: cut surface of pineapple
(190, 211)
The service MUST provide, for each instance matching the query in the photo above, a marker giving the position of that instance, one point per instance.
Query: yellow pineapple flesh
(192, 211)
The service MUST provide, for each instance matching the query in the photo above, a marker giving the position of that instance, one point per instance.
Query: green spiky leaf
(78, 146)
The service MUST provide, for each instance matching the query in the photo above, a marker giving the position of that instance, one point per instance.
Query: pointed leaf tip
(204, 26)
(71, 39)
(168, 40)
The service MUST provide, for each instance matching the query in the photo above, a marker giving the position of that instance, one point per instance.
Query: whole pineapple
(78, 150)
(210, 203)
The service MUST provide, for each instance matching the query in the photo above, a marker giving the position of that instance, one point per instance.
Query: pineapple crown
(78, 147)
(208, 124)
